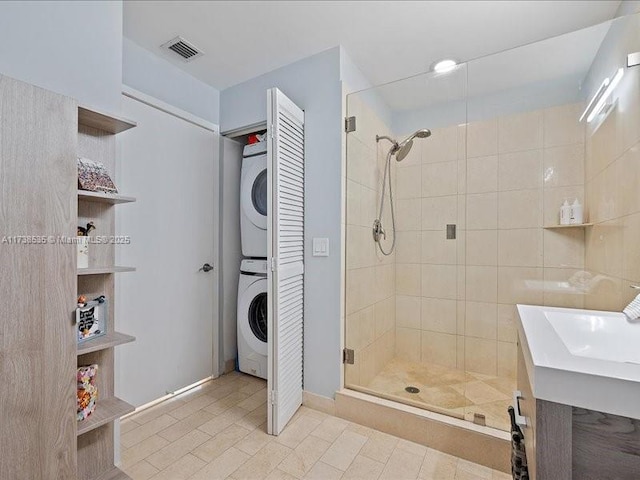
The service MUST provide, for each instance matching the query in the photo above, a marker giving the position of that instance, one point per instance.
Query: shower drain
(412, 389)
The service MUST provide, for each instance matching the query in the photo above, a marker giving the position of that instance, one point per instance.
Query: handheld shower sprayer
(400, 150)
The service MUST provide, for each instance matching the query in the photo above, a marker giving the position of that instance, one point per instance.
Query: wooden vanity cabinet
(565, 442)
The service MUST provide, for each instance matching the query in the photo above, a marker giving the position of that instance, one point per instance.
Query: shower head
(402, 149)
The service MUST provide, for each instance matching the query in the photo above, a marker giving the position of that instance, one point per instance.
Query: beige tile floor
(447, 390)
(217, 431)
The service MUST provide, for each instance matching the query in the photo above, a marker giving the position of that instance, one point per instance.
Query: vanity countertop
(584, 358)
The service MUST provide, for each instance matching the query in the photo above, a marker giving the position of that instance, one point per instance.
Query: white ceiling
(388, 40)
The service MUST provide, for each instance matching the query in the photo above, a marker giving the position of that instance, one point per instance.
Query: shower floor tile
(446, 390)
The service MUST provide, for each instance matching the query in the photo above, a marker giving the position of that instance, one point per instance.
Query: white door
(285, 233)
(169, 303)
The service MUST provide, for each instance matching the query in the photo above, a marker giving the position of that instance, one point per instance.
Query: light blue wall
(151, 74)
(314, 85)
(622, 38)
(304, 81)
(355, 81)
(628, 7)
(70, 47)
(350, 73)
(531, 97)
(76, 48)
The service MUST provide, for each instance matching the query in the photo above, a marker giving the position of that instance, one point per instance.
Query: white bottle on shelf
(565, 213)
(577, 213)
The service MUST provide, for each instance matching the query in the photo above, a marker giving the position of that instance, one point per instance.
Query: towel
(632, 311)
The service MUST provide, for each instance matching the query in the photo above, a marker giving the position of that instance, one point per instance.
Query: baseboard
(318, 402)
(482, 445)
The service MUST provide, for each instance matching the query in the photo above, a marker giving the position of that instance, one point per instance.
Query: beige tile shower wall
(428, 270)
(455, 302)
(370, 276)
(613, 200)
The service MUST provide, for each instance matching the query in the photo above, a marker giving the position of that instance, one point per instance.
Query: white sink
(584, 358)
(602, 335)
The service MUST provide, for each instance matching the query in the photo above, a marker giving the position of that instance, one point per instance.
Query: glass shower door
(405, 293)
(434, 323)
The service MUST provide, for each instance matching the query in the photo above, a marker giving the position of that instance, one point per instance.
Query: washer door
(254, 194)
(252, 316)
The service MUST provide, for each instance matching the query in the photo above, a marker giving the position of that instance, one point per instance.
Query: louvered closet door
(285, 227)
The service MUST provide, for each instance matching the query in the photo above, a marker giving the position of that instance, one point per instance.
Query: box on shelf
(87, 395)
(93, 176)
(91, 319)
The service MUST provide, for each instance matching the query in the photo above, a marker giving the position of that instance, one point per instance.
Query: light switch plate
(320, 247)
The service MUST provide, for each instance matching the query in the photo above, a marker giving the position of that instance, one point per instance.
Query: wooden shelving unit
(111, 339)
(42, 134)
(573, 225)
(90, 117)
(108, 198)
(95, 434)
(107, 410)
(104, 270)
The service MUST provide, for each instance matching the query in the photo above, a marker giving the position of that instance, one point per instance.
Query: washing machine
(253, 201)
(252, 318)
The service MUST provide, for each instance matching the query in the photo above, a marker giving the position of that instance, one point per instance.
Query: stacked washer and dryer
(252, 286)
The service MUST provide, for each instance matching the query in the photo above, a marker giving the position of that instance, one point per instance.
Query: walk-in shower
(463, 223)
(400, 151)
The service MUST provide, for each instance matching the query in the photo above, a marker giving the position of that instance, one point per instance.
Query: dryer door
(254, 193)
(252, 316)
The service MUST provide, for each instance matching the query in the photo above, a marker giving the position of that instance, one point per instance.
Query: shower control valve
(378, 231)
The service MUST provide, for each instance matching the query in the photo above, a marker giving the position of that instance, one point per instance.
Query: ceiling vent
(186, 50)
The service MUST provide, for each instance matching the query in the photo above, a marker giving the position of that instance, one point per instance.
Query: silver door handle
(205, 268)
(520, 420)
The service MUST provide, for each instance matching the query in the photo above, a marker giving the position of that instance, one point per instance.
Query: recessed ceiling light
(444, 66)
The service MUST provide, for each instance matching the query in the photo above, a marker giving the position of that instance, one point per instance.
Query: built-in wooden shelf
(90, 117)
(111, 339)
(96, 450)
(114, 474)
(104, 270)
(101, 197)
(107, 410)
(573, 225)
